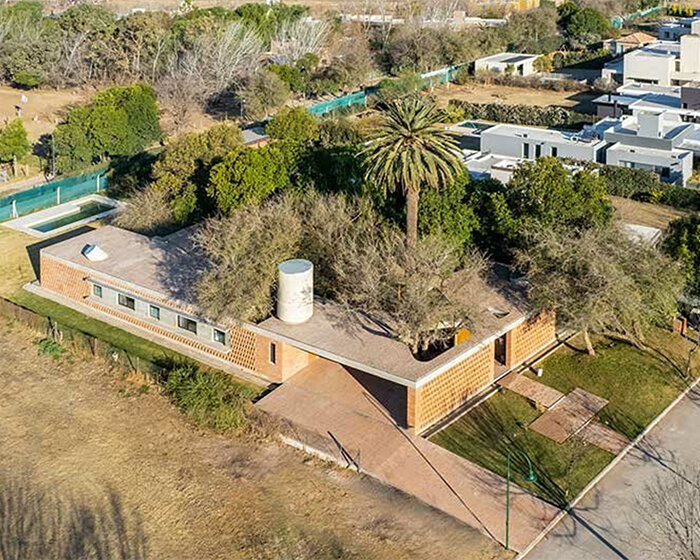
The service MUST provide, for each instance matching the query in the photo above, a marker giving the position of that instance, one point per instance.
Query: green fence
(435, 77)
(51, 194)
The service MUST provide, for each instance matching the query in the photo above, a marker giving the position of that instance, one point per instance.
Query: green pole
(531, 477)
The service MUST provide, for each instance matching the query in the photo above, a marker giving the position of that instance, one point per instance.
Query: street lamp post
(531, 477)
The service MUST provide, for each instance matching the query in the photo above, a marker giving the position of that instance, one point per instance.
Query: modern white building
(518, 63)
(651, 140)
(528, 142)
(666, 63)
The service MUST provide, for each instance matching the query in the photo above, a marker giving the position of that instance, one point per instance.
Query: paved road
(605, 525)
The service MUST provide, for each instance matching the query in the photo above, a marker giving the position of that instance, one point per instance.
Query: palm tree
(408, 151)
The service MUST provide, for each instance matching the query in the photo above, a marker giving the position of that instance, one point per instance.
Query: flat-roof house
(666, 63)
(146, 286)
(675, 29)
(519, 64)
(529, 142)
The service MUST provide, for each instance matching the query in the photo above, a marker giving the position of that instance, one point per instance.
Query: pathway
(566, 415)
(606, 524)
(325, 410)
(569, 415)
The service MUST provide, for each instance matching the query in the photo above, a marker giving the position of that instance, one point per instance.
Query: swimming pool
(66, 216)
(88, 210)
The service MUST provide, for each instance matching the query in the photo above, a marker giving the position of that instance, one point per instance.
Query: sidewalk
(326, 411)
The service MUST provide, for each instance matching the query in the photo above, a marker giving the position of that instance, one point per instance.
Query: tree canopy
(14, 144)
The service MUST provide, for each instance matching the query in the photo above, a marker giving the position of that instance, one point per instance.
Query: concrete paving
(569, 415)
(605, 524)
(326, 410)
(539, 393)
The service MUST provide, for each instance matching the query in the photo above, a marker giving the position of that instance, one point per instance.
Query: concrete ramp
(327, 411)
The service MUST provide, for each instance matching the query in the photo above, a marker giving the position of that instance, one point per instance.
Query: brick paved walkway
(326, 411)
(537, 392)
(569, 415)
(606, 438)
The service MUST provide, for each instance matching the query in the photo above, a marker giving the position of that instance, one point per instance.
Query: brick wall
(247, 349)
(449, 390)
(529, 337)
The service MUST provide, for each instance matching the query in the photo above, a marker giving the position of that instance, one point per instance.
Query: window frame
(97, 291)
(126, 299)
(216, 331)
(187, 321)
(272, 353)
(151, 315)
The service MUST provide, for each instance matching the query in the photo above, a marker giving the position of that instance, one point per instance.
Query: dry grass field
(483, 93)
(644, 214)
(104, 467)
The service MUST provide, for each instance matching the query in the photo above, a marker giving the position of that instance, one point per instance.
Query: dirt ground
(481, 93)
(105, 467)
(644, 214)
(43, 109)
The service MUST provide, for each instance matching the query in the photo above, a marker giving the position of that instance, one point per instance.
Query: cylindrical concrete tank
(295, 291)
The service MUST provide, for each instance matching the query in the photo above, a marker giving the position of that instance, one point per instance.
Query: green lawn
(16, 270)
(485, 435)
(638, 385)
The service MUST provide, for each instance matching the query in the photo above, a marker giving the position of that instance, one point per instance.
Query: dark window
(96, 290)
(526, 150)
(555, 151)
(219, 336)
(538, 150)
(187, 324)
(154, 312)
(126, 301)
(273, 353)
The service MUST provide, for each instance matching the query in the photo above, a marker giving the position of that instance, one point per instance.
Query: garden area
(638, 384)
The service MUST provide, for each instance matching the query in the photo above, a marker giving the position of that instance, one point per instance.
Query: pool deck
(26, 224)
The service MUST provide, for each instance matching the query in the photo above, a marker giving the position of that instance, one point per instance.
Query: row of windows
(184, 323)
(553, 150)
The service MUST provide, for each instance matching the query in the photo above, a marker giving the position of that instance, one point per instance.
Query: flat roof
(169, 267)
(545, 134)
(675, 152)
(508, 58)
(660, 49)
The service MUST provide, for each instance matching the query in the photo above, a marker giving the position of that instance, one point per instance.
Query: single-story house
(146, 286)
(519, 64)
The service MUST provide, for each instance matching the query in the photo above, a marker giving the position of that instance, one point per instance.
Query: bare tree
(294, 39)
(229, 55)
(600, 281)
(669, 511)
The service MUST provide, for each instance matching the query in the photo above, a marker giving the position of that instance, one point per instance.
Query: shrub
(680, 197)
(49, 347)
(628, 182)
(148, 212)
(264, 93)
(293, 124)
(209, 399)
(522, 114)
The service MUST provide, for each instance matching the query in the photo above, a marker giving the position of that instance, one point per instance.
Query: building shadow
(39, 524)
(34, 249)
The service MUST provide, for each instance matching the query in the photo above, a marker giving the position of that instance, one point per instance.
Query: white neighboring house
(666, 63)
(649, 140)
(674, 30)
(529, 142)
(517, 63)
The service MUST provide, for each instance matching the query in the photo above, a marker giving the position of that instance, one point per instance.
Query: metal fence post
(14, 209)
(58, 195)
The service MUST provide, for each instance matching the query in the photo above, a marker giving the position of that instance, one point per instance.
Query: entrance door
(500, 350)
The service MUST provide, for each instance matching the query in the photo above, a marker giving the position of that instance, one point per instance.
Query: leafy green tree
(447, 212)
(248, 175)
(544, 193)
(264, 93)
(182, 172)
(409, 151)
(295, 125)
(587, 26)
(683, 243)
(14, 144)
(119, 121)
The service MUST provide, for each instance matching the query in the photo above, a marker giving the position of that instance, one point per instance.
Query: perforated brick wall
(529, 337)
(72, 282)
(449, 390)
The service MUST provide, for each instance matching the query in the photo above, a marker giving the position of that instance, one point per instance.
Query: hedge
(552, 117)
